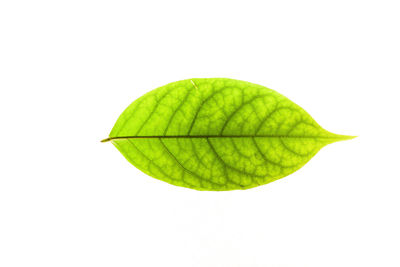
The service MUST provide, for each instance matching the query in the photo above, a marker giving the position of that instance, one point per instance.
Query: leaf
(217, 134)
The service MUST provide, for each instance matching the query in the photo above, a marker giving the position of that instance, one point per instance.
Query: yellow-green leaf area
(217, 134)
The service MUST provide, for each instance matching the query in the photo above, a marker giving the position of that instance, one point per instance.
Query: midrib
(336, 137)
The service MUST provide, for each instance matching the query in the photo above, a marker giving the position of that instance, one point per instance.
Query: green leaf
(217, 134)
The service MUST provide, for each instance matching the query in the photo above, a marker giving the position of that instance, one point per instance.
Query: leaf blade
(217, 134)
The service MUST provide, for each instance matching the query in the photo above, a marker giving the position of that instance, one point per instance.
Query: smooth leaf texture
(217, 134)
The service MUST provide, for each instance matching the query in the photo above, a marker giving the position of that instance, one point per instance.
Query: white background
(69, 68)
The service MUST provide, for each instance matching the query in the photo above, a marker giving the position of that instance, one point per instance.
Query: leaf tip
(349, 137)
(345, 137)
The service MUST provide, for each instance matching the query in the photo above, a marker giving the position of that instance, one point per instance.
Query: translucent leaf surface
(217, 134)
